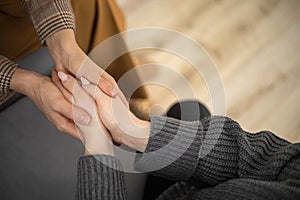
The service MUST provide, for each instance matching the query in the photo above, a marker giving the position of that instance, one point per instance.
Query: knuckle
(60, 127)
(102, 81)
(56, 105)
(107, 81)
(117, 138)
(114, 129)
(111, 80)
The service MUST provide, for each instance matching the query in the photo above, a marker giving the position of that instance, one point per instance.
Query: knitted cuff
(172, 150)
(100, 177)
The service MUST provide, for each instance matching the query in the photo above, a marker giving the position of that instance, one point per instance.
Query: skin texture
(48, 97)
(123, 126)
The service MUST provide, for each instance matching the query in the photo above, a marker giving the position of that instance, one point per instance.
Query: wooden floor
(255, 45)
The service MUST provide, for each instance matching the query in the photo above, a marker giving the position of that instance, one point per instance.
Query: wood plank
(255, 45)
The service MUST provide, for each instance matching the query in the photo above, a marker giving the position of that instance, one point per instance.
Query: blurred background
(255, 45)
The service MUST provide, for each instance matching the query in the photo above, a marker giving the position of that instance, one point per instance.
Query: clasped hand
(69, 58)
(111, 120)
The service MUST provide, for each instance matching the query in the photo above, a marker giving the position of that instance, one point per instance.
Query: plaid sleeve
(7, 69)
(49, 16)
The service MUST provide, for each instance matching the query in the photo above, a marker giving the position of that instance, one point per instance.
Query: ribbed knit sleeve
(229, 152)
(172, 149)
(100, 177)
(249, 189)
(216, 150)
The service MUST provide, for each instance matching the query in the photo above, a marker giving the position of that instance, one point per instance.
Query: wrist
(101, 146)
(61, 45)
(24, 81)
(64, 39)
(139, 139)
(97, 142)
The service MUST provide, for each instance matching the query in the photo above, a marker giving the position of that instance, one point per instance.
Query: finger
(96, 75)
(64, 125)
(92, 90)
(123, 98)
(80, 97)
(58, 84)
(103, 101)
(67, 81)
(107, 87)
(67, 109)
(116, 90)
(72, 112)
(71, 85)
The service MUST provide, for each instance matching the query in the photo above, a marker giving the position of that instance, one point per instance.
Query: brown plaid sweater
(47, 17)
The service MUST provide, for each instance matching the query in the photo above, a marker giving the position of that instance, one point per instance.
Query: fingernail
(85, 120)
(62, 76)
(84, 81)
(82, 118)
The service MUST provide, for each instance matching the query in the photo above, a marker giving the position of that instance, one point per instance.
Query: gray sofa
(37, 161)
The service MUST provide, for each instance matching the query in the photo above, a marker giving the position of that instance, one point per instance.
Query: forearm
(24, 81)
(66, 53)
(214, 150)
(97, 143)
(172, 149)
(253, 189)
(62, 42)
(16, 79)
(137, 135)
(94, 136)
(229, 152)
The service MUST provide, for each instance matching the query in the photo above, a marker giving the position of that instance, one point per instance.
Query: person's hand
(49, 100)
(69, 58)
(96, 138)
(125, 128)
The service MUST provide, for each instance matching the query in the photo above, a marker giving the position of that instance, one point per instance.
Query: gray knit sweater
(210, 159)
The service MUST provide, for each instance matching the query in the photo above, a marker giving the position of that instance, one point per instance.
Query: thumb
(92, 89)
